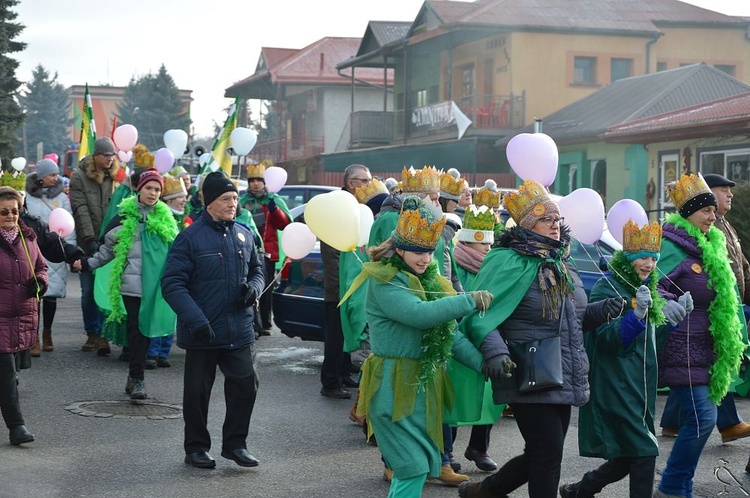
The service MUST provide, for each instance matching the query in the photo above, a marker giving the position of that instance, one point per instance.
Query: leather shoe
(335, 392)
(349, 382)
(20, 434)
(481, 460)
(200, 459)
(736, 431)
(241, 457)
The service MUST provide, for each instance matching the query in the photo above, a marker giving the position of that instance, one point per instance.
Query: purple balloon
(622, 211)
(163, 160)
(533, 156)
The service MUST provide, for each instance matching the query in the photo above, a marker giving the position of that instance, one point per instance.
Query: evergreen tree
(47, 106)
(11, 116)
(153, 105)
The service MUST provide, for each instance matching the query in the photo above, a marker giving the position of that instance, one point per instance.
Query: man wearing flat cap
(212, 279)
(728, 421)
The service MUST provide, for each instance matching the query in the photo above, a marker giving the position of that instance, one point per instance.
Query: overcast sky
(206, 45)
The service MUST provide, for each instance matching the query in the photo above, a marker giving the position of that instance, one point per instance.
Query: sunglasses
(6, 212)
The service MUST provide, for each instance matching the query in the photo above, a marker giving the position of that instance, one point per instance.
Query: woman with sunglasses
(23, 281)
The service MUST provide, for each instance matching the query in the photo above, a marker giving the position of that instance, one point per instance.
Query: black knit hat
(214, 185)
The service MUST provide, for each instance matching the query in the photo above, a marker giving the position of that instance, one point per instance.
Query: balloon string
(276, 278)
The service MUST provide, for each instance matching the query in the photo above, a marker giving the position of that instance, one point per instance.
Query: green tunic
(618, 420)
(397, 319)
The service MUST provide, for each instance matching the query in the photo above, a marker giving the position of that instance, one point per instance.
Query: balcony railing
(288, 150)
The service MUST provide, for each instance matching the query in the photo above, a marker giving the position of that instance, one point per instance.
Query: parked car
(298, 308)
(297, 195)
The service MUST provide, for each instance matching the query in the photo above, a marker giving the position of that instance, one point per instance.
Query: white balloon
(176, 141)
(366, 221)
(275, 179)
(243, 140)
(18, 163)
(583, 211)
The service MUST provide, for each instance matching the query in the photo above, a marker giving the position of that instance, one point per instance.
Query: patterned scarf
(9, 235)
(467, 257)
(554, 279)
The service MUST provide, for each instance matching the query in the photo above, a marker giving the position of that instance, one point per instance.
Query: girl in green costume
(136, 243)
(411, 311)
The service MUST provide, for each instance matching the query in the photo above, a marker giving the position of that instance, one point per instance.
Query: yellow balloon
(335, 219)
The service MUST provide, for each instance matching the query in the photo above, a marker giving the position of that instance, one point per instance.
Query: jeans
(160, 346)
(641, 471)
(92, 317)
(727, 414)
(543, 427)
(695, 406)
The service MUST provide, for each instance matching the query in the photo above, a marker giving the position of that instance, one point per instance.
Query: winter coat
(208, 264)
(618, 420)
(54, 249)
(39, 203)
(687, 276)
(19, 311)
(737, 259)
(90, 192)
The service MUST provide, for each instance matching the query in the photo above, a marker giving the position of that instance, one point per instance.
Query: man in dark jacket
(91, 187)
(211, 280)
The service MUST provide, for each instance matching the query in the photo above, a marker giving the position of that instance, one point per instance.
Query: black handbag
(538, 362)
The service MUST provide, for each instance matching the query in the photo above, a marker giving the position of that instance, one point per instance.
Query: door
(669, 170)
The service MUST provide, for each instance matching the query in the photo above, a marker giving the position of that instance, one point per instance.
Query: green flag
(88, 127)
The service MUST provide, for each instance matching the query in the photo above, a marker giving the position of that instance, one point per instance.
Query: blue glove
(674, 312)
(271, 205)
(686, 300)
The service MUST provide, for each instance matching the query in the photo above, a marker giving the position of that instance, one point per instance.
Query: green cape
(353, 315)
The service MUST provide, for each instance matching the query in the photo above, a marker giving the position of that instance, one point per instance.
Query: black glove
(203, 334)
(34, 286)
(602, 311)
(271, 205)
(248, 295)
(91, 246)
(498, 367)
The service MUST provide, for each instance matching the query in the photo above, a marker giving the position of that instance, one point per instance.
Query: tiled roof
(641, 16)
(386, 32)
(636, 98)
(729, 109)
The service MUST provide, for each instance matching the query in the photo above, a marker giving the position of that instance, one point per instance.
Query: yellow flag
(220, 158)
(88, 127)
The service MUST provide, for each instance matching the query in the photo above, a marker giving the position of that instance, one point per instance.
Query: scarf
(625, 275)
(724, 325)
(554, 279)
(159, 222)
(9, 235)
(467, 257)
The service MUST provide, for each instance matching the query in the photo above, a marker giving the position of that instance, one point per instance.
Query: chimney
(322, 61)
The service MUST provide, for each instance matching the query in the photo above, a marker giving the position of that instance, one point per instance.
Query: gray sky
(205, 45)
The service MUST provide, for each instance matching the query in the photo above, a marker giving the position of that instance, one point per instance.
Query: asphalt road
(305, 442)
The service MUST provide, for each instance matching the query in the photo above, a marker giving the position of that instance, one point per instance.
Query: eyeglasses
(109, 154)
(6, 212)
(551, 221)
(362, 179)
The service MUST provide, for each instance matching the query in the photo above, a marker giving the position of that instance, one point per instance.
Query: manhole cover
(146, 410)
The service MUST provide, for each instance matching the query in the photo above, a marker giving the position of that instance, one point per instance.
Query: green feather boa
(724, 324)
(623, 272)
(437, 342)
(159, 222)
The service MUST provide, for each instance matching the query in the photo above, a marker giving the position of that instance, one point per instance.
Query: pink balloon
(163, 160)
(61, 222)
(275, 178)
(622, 211)
(125, 137)
(125, 156)
(533, 156)
(53, 157)
(297, 240)
(583, 211)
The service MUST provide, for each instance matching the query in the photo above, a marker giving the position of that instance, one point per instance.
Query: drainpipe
(648, 52)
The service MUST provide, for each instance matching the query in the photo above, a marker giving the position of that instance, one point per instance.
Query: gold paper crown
(14, 180)
(646, 239)
(173, 187)
(256, 170)
(371, 189)
(426, 180)
(479, 218)
(529, 195)
(687, 187)
(450, 185)
(416, 231)
(143, 158)
(488, 195)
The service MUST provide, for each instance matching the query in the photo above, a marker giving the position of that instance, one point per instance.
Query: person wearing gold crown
(489, 196)
(543, 303)
(271, 215)
(702, 355)
(617, 423)
(455, 195)
(474, 241)
(411, 311)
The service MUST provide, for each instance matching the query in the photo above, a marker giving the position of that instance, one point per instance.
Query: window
(419, 98)
(584, 70)
(620, 68)
(467, 81)
(727, 68)
(661, 66)
(733, 164)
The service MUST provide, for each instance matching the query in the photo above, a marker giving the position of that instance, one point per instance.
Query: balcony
(288, 150)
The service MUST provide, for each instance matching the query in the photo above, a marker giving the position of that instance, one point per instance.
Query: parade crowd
(450, 316)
